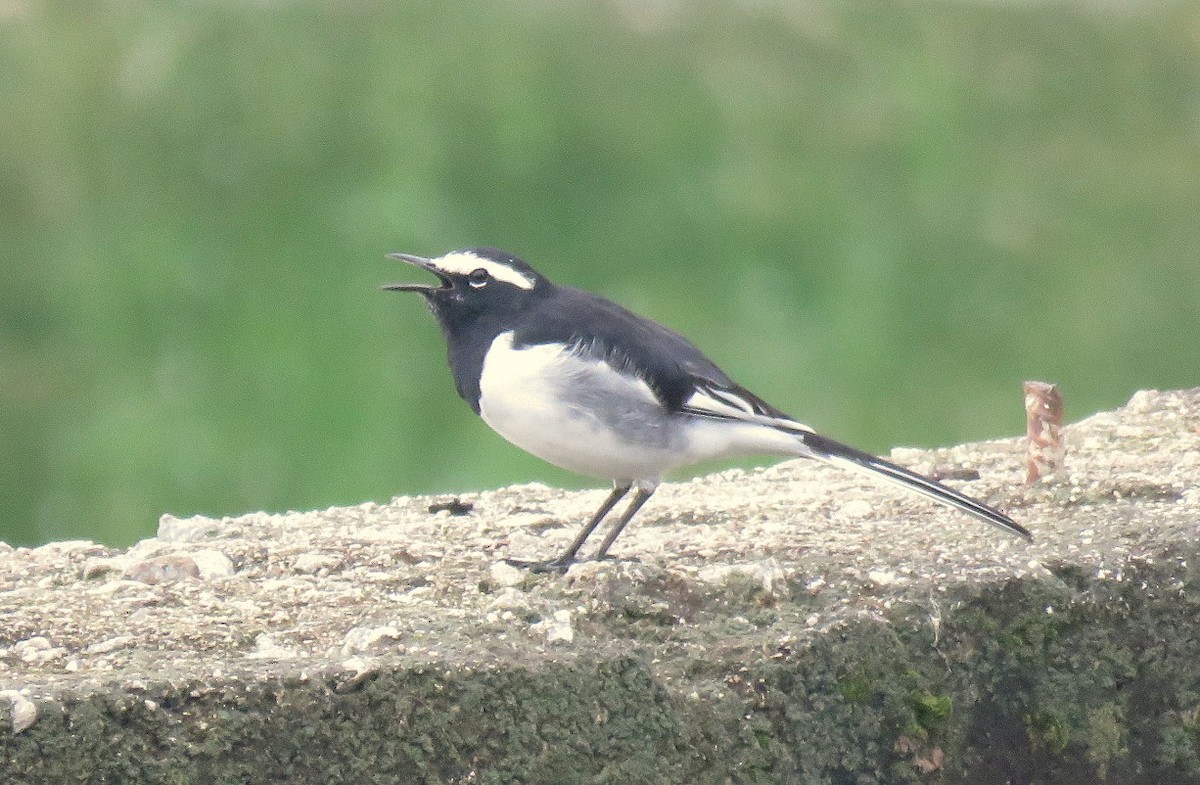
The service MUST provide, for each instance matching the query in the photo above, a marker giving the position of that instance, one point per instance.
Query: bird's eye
(479, 277)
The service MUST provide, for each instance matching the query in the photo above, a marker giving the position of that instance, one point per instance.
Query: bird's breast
(575, 411)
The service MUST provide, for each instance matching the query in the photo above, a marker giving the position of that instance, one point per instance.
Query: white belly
(575, 412)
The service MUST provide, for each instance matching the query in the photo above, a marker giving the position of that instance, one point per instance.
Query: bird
(587, 385)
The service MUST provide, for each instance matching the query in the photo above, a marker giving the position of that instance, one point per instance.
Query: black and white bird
(586, 385)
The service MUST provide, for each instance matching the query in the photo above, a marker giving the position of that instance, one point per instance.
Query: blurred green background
(881, 217)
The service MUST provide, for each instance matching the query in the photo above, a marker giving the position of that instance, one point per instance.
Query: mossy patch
(1031, 681)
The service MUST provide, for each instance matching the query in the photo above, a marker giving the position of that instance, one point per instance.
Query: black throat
(469, 334)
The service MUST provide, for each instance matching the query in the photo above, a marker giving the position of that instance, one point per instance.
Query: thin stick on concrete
(1044, 423)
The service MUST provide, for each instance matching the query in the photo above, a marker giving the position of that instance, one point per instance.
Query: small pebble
(23, 712)
(506, 575)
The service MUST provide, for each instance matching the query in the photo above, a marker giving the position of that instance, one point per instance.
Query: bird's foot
(624, 559)
(559, 565)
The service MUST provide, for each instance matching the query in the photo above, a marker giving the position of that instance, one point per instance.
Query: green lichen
(858, 687)
(1105, 737)
(1048, 731)
(930, 713)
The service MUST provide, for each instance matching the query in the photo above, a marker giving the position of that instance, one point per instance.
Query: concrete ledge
(793, 624)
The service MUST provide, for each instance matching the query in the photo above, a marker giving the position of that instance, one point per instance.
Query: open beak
(418, 261)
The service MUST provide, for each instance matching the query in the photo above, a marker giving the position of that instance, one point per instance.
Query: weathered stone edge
(1030, 680)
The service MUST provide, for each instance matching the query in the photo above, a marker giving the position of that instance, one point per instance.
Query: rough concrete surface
(789, 624)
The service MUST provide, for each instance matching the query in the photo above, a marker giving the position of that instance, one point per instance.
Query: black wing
(669, 363)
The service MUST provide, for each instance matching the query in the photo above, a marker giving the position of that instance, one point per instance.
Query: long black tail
(843, 455)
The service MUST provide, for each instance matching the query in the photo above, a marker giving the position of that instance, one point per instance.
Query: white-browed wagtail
(586, 385)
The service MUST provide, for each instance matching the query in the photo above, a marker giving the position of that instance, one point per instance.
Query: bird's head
(473, 281)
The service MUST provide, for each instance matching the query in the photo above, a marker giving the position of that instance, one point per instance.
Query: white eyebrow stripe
(462, 263)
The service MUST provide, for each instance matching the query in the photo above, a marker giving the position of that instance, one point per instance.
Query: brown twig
(1044, 422)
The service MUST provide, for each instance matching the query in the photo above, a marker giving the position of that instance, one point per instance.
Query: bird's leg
(639, 498)
(561, 563)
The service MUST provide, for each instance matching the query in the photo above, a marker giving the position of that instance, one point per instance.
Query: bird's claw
(559, 565)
